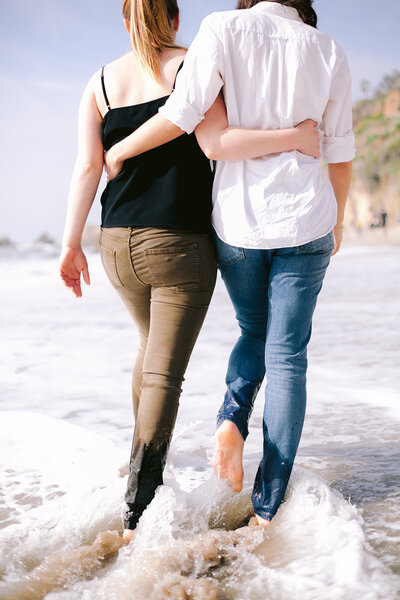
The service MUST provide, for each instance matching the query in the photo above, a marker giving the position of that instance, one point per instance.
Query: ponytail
(151, 30)
(303, 7)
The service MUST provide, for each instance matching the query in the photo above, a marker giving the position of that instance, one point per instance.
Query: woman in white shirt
(277, 219)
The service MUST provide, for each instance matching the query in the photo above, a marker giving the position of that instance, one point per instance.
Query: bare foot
(127, 535)
(260, 521)
(228, 455)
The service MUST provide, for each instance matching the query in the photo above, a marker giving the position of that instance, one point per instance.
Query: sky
(50, 48)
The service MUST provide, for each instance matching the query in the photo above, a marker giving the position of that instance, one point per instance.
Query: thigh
(296, 279)
(183, 270)
(245, 273)
(116, 258)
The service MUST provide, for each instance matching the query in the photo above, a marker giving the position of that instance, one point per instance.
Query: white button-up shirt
(275, 72)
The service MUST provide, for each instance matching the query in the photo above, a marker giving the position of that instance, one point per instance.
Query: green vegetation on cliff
(377, 164)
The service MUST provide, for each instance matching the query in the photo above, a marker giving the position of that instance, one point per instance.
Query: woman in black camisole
(155, 238)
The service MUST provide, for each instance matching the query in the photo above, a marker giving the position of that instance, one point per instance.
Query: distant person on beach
(155, 240)
(277, 219)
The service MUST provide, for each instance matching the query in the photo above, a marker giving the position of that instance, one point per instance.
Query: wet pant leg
(174, 273)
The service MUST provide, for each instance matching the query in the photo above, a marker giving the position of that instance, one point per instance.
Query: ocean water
(65, 433)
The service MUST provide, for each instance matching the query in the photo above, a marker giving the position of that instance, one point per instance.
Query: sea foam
(63, 487)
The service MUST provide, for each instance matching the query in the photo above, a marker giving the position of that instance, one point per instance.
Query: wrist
(287, 140)
(71, 244)
(295, 138)
(339, 222)
(117, 153)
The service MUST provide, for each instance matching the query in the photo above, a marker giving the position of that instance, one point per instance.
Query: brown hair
(303, 7)
(151, 30)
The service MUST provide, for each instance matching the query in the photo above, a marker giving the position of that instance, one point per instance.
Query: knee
(293, 363)
(162, 382)
(253, 329)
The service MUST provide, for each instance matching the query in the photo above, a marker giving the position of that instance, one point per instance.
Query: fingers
(76, 289)
(86, 276)
(336, 247)
(72, 282)
(308, 122)
(74, 285)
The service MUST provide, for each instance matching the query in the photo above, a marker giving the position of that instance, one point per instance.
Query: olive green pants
(165, 278)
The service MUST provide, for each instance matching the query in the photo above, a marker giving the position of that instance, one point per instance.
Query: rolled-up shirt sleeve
(338, 143)
(199, 82)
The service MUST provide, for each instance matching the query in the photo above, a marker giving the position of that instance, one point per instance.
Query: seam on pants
(131, 259)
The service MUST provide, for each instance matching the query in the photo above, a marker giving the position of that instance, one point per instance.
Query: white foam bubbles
(60, 485)
(315, 548)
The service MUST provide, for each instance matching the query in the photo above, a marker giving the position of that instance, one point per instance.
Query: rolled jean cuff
(132, 515)
(241, 424)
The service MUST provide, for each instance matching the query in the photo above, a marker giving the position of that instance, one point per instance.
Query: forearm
(83, 188)
(340, 178)
(154, 132)
(234, 143)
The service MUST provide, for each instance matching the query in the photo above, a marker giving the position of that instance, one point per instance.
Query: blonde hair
(151, 30)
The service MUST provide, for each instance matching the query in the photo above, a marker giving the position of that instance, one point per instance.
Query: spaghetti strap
(104, 89)
(180, 67)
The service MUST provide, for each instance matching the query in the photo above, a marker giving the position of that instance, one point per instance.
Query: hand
(338, 237)
(309, 138)
(112, 163)
(72, 263)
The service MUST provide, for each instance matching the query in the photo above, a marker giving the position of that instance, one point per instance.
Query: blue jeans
(274, 293)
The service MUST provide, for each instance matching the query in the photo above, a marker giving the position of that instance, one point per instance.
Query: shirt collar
(275, 8)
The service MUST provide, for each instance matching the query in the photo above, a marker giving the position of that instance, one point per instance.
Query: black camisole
(169, 186)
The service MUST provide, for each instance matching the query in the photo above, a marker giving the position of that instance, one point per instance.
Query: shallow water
(66, 426)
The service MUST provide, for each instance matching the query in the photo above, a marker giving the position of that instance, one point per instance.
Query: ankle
(230, 428)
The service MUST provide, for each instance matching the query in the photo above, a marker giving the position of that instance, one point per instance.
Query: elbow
(211, 153)
(212, 149)
(210, 146)
(88, 168)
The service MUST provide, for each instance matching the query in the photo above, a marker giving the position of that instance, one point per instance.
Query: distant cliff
(376, 182)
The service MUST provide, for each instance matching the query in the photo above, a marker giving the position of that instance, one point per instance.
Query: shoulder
(93, 90)
(326, 42)
(112, 71)
(94, 83)
(218, 21)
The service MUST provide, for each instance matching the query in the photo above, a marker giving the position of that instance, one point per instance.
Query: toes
(237, 486)
(127, 535)
(263, 522)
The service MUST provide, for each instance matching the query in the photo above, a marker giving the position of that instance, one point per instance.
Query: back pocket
(109, 260)
(176, 267)
(227, 254)
(319, 246)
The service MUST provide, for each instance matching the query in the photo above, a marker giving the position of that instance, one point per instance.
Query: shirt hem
(273, 247)
(157, 226)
